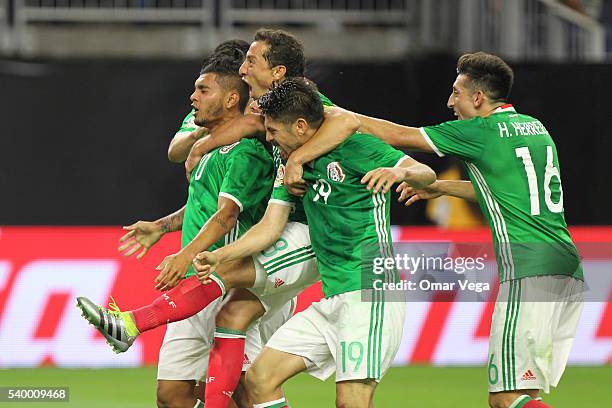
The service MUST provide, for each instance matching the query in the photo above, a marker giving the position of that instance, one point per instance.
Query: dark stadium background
(83, 142)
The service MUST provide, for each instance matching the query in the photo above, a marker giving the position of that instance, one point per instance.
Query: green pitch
(414, 386)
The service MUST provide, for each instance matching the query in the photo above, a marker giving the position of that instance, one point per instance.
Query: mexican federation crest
(335, 172)
(280, 176)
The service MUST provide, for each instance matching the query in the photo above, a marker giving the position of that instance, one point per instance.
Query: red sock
(180, 302)
(536, 404)
(224, 367)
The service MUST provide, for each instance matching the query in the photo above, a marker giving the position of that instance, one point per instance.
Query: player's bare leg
(505, 399)
(176, 394)
(240, 311)
(268, 373)
(355, 393)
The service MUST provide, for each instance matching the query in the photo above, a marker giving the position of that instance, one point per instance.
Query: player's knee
(347, 401)
(169, 397)
(259, 379)
(500, 400)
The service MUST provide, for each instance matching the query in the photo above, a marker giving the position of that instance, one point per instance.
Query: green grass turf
(414, 386)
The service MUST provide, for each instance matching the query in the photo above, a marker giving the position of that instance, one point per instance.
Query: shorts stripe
(303, 258)
(281, 258)
(509, 336)
(518, 304)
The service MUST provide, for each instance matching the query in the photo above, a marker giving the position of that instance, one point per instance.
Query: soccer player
(273, 56)
(343, 333)
(514, 174)
(226, 196)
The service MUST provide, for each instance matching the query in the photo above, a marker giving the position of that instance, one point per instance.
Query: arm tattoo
(172, 222)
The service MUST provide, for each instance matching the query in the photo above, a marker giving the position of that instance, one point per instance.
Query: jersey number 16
(532, 180)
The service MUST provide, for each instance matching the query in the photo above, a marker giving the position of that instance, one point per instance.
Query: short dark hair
(283, 49)
(226, 67)
(234, 48)
(292, 99)
(488, 73)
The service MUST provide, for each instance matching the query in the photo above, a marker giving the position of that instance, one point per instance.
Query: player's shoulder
(247, 146)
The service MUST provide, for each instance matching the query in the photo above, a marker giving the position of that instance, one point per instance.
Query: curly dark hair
(292, 99)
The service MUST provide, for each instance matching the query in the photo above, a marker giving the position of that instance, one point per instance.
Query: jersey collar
(505, 108)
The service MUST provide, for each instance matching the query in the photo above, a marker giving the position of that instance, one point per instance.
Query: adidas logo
(278, 282)
(246, 360)
(528, 376)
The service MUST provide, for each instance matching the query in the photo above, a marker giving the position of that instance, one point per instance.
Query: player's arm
(409, 171)
(244, 126)
(144, 234)
(256, 239)
(174, 267)
(396, 135)
(182, 142)
(338, 125)
(455, 188)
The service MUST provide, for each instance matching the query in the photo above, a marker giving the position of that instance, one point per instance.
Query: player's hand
(383, 178)
(293, 180)
(412, 195)
(192, 161)
(205, 263)
(143, 234)
(172, 268)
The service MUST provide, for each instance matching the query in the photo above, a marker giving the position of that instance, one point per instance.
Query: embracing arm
(456, 188)
(408, 171)
(244, 126)
(182, 142)
(396, 135)
(337, 126)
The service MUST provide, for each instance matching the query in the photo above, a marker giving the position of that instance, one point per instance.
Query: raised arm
(396, 135)
(338, 125)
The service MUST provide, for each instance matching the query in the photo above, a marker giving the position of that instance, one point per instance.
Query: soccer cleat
(115, 325)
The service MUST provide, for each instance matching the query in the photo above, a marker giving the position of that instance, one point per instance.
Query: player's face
(461, 99)
(282, 135)
(207, 100)
(256, 71)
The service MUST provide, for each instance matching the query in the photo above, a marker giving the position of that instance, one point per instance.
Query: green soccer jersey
(512, 163)
(349, 226)
(242, 172)
(297, 214)
(188, 125)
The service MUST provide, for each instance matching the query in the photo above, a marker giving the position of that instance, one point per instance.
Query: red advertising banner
(43, 270)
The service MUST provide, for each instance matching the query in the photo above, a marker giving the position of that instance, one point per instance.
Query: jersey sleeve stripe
(430, 142)
(234, 199)
(400, 161)
(498, 223)
(281, 202)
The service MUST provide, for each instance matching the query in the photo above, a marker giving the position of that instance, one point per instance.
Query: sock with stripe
(279, 403)
(525, 401)
(224, 367)
(180, 302)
